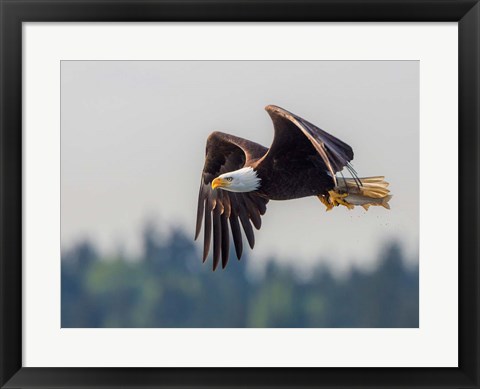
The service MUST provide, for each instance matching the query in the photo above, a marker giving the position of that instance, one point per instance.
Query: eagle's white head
(242, 180)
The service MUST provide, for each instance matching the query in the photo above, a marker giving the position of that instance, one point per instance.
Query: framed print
(331, 240)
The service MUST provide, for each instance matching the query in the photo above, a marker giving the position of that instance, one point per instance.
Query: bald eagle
(240, 177)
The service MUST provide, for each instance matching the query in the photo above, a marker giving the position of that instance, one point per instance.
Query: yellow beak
(219, 183)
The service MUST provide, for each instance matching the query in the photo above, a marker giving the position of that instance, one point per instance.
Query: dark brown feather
(237, 235)
(217, 237)
(247, 227)
(302, 160)
(225, 241)
(291, 131)
(260, 204)
(226, 206)
(253, 212)
(226, 153)
(207, 233)
(200, 210)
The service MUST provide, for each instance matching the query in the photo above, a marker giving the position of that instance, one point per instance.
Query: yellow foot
(338, 199)
(325, 202)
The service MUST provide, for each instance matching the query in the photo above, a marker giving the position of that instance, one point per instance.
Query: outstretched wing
(225, 153)
(296, 137)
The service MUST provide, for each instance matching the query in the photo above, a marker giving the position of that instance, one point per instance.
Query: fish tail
(385, 201)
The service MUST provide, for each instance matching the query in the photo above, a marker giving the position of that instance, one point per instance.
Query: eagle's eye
(229, 179)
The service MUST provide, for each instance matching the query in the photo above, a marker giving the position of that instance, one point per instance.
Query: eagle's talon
(328, 204)
(338, 199)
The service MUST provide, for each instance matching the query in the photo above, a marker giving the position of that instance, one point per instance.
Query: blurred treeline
(170, 287)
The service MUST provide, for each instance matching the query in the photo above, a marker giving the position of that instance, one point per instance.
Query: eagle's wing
(296, 136)
(225, 153)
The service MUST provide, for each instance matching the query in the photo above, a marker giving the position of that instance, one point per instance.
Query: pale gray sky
(133, 141)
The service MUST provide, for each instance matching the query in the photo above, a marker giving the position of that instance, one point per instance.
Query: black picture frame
(14, 12)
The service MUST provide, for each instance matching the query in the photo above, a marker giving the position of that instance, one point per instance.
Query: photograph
(240, 194)
(256, 195)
